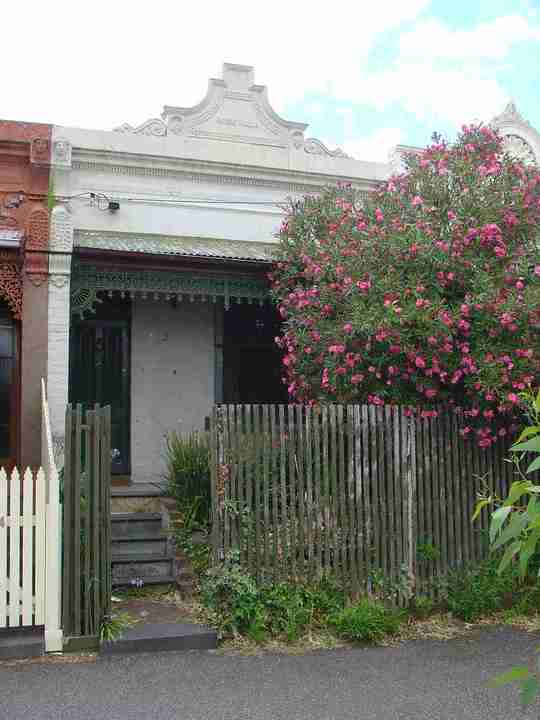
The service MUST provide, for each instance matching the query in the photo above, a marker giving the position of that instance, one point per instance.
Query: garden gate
(87, 523)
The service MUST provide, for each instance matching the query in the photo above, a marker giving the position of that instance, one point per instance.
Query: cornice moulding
(293, 181)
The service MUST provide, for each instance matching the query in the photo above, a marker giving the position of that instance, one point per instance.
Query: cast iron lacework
(88, 280)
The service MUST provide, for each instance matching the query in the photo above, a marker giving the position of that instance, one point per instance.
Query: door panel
(100, 373)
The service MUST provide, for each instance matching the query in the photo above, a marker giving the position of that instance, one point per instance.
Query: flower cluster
(425, 294)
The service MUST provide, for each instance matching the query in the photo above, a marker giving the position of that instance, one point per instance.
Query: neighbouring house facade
(161, 237)
(24, 237)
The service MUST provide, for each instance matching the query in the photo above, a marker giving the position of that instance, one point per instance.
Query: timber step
(155, 637)
(140, 546)
(136, 524)
(141, 550)
(21, 643)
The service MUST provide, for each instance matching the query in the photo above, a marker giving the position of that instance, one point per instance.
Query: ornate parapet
(234, 109)
(88, 280)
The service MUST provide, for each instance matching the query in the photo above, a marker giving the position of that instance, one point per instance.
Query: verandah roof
(172, 245)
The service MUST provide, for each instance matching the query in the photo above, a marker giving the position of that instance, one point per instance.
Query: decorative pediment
(520, 139)
(234, 109)
(510, 115)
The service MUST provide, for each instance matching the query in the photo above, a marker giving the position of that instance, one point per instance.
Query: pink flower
(513, 398)
(430, 393)
(379, 215)
(417, 200)
(419, 362)
(348, 328)
(451, 215)
(363, 285)
(357, 379)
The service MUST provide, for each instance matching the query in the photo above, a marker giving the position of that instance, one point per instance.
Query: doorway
(252, 368)
(9, 388)
(99, 371)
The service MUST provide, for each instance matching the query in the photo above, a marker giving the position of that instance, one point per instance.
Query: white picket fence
(22, 548)
(31, 545)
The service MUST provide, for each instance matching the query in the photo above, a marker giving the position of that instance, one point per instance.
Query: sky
(365, 76)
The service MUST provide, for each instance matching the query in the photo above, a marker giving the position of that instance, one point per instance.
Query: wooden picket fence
(349, 491)
(87, 523)
(22, 548)
(30, 545)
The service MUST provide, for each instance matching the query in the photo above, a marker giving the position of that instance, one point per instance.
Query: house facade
(161, 237)
(24, 237)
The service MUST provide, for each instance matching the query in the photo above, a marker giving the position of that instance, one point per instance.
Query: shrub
(278, 609)
(235, 600)
(425, 293)
(287, 612)
(479, 591)
(366, 621)
(187, 460)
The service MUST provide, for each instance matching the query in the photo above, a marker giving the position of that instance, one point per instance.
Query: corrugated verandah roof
(177, 246)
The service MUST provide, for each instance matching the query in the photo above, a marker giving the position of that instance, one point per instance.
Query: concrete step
(155, 637)
(140, 546)
(136, 524)
(20, 643)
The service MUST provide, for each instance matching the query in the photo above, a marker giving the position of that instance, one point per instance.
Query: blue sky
(365, 74)
(468, 58)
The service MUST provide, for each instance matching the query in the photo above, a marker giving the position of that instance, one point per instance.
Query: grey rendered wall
(172, 377)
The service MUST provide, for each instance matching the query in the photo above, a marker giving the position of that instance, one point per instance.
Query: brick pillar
(34, 334)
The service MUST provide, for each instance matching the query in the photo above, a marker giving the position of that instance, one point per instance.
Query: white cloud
(375, 146)
(460, 94)
(432, 40)
(112, 62)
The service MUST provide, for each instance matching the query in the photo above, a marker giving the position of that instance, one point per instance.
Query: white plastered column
(61, 247)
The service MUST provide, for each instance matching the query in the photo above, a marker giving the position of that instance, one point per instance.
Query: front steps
(141, 550)
(157, 637)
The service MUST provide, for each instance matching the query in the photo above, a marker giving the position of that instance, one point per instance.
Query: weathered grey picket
(86, 523)
(353, 492)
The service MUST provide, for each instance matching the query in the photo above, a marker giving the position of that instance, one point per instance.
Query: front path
(413, 681)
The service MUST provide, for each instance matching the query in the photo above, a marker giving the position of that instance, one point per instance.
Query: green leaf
(532, 430)
(497, 520)
(509, 554)
(521, 672)
(518, 523)
(535, 465)
(517, 490)
(529, 689)
(480, 505)
(532, 445)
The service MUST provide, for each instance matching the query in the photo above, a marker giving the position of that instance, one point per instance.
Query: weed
(113, 626)
(367, 621)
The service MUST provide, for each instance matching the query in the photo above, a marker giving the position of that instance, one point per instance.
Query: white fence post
(53, 556)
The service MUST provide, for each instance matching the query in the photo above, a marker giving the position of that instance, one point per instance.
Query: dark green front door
(100, 372)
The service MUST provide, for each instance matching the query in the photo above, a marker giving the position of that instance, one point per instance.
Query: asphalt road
(415, 681)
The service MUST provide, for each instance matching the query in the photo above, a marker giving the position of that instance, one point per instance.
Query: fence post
(409, 458)
(53, 536)
(53, 591)
(215, 459)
